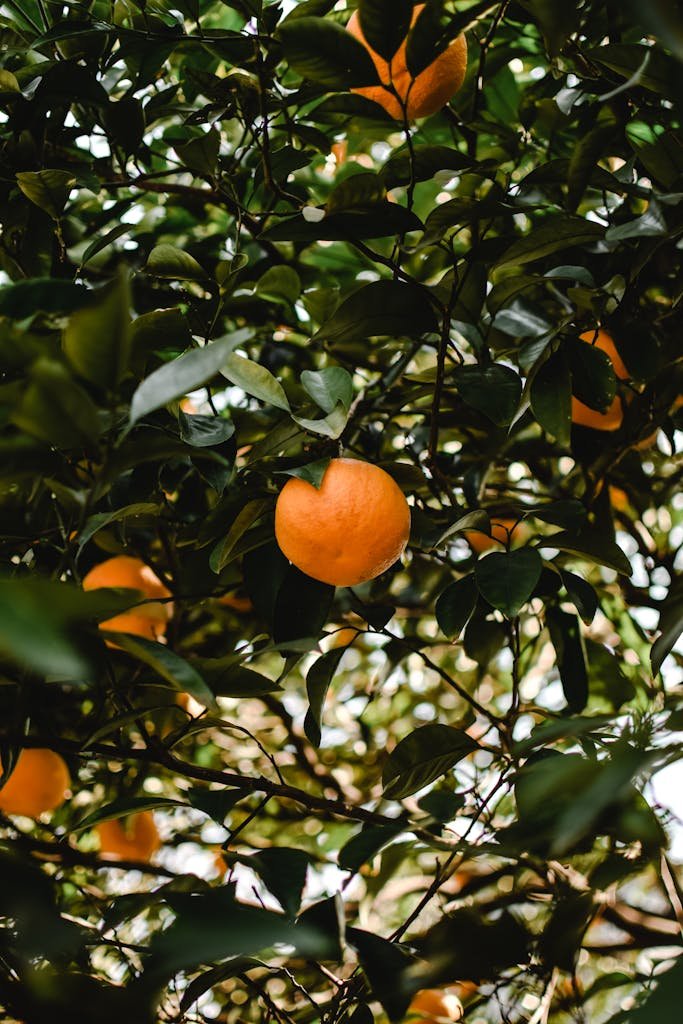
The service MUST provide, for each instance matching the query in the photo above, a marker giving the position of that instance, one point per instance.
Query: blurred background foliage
(221, 267)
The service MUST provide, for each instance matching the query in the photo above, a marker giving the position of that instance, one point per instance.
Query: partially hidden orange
(613, 417)
(150, 619)
(349, 530)
(433, 1006)
(39, 783)
(132, 838)
(502, 532)
(422, 95)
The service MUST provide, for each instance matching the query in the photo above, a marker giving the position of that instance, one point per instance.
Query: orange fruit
(148, 620)
(582, 414)
(501, 532)
(619, 498)
(424, 94)
(343, 637)
(433, 1005)
(349, 530)
(39, 783)
(238, 602)
(133, 838)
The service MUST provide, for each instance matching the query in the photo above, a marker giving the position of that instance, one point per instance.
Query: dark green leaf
(565, 633)
(182, 375)
(383, 307)
(555, 234)
(320, 675)
(255, 379)
(328, 387)
(551, 397)
(385, 24)
(324, 52)
(48, 189)
(283, 872)
(506, 579)
(97, 338)
(168, 261)
(167, 664)
(597, 548)
(455, 605)
(494, 390)
(582, 594)
(366, 844)
(302, 606)
(23, 299)
(422, 757)
(670, 626)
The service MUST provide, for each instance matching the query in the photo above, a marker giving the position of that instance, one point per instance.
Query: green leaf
(377, 221)
(141, 509)
(427, 161)
(47, 189)
(167, 664)
(366, 844)
(670, 626)
(596, 548)
(312, 472)
(283, 872)
(157, 331)
(318, 680)
(97, 338)
(664, 1003)
(647, 66)
(329, 387)
(494, 390)
(23, 299)
(236, 680)
(383, 307)
(506, 579)
(168, 261)
(245, 519)
(593, 378)
(331, 426)
(427, 38)
(205, 431)
(280, 282)
(360, 191)
(182, 375)
(385, 24)
(201, 154)
(422, 757)
(33, 628)
(322, 51)
(551, 397)
(582, 594)
(650, 225)
(301, 608)
(98, 244)
(124, 121)
(588, 149)
(455, 606)
(255, 379)
(124, 806)
(565, 633)
(553, 235)
(56, 409)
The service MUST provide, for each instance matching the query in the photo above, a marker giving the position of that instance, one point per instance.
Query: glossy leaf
(506, 579)
(422, 757)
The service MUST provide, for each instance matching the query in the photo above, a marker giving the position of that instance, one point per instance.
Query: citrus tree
(340, 355)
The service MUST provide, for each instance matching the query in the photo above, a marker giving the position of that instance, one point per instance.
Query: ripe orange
(148, 620)
(619, 498)
(501, 533)
(343, 637)
(433, 1005)
(425, 94)
(39, 783)
(612, 419)
(348, 531)
(133, 838)
(238, 602)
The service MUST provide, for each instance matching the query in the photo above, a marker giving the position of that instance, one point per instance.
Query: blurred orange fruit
(432, 1006)
(149, 620)
(582, 414)
(424, 94)
(133, 838)
(343, 637)
(349, 530)
(501, 533)
(238, 602)
(619, 498)
(39, 783)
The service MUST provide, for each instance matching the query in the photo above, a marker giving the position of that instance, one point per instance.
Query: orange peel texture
(39, 783)
(348, 531)
(149, 620)
(424, 94)
(133, 838)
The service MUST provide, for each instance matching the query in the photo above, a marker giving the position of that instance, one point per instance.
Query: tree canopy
(223, 267)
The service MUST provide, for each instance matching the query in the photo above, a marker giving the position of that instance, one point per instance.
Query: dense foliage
(222, 267)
